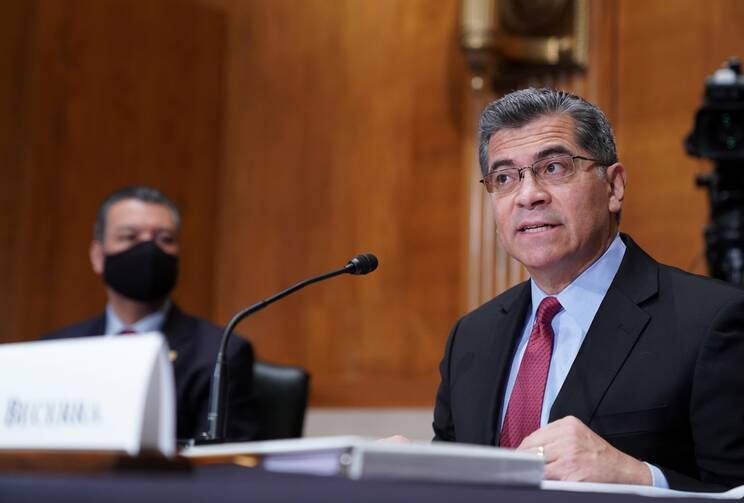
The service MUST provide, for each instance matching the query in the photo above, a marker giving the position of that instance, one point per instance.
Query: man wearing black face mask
(135, 250)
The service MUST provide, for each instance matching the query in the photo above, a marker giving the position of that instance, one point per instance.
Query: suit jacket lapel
(505, 330)
(175, 328)
(613, 333)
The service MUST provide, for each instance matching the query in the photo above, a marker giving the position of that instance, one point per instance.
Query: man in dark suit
(135, 250)
(613, 367)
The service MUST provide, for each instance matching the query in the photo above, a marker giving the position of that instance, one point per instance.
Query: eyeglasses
(553, 170)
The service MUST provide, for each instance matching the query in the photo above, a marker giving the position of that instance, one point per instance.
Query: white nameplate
(91, 393)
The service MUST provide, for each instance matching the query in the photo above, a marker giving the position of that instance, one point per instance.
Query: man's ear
(96, 256)
(616, 181)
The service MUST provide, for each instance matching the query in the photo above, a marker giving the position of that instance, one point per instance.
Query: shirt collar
(582, 297)
(153, 322)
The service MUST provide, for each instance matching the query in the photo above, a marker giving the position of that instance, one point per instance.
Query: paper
(554, 485)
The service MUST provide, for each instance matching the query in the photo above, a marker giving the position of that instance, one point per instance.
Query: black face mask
(144, 272)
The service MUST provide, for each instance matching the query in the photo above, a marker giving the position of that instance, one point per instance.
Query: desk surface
(228, 483)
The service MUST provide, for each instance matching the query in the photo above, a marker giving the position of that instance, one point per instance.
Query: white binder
(362, 458)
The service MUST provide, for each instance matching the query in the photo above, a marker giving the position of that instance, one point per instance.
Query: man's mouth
(536, 228)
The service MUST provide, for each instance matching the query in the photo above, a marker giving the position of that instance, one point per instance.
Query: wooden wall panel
(297, 133)
(343, 137)
(115, 93)
(666, 49)
(15, 25)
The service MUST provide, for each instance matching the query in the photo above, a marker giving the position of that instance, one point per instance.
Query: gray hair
(516, 109)
(138, 192)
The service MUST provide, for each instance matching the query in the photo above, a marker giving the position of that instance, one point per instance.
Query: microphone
(217, 414)
(362, 264)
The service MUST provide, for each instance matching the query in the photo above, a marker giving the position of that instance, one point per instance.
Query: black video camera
(718, 135)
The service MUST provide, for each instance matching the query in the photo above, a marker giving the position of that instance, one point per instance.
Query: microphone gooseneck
(217, 414)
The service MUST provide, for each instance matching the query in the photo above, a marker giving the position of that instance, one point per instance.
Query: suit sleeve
(717, 399)
(444, 427)
(717, 405)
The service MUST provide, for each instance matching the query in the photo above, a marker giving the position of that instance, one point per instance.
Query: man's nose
(146, 235)
(530, 192)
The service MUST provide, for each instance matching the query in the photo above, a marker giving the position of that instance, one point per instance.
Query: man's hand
(395, 439)
(574, 452)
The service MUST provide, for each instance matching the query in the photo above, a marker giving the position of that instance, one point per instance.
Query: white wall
(369, 422)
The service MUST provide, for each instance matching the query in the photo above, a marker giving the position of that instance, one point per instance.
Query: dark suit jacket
(196, 343)
(660, 374)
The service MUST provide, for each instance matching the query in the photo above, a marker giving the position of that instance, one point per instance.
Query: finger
(538, 450)
(395, 439)
(566, 427)
(550, 452)
(545, 435)
(533, 441)
(553, 471)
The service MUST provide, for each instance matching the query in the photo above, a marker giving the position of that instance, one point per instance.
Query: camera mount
(718, 135)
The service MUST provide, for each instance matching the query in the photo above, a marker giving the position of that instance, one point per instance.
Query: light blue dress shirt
(580, 301)
(150, 323)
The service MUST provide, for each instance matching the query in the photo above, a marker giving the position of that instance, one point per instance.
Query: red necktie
(127, 331)
(525, 405)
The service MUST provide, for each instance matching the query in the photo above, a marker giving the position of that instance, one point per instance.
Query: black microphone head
(362, 264)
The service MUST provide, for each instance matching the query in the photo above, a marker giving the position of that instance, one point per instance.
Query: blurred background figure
(135, 251)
